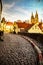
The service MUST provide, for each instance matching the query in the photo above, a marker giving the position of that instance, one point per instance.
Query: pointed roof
(32, 17)
(9, 23)
(36, 15)
(35, 29)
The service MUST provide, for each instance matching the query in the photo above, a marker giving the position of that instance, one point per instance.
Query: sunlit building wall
(35, 29)
(16, 29)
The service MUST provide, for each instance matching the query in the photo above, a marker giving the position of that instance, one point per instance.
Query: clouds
(7, 6)
(20, 9)
(19, 14)
(13, 12)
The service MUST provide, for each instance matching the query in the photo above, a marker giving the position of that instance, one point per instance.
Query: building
(24, 26)
(41, 26)
(15, 27)
(8, 27)
(19, 26)
(34, 20)
(35, 29)
(36, 17)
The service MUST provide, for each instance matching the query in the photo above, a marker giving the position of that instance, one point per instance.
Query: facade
(23, 26)
(41, 26)
(7, 27)
(35, 29)
(15, 27)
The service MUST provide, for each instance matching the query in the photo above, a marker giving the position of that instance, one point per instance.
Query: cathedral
(34, 19)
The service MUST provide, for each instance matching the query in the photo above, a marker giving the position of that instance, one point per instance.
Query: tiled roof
(9, 23)
(40, 26)
(24, 25)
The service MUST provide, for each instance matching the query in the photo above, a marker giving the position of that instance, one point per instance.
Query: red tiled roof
(9, 23)
(24, 25)
(21, 25)
(40, 26)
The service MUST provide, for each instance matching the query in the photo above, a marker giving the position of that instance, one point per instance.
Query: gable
(35, 29)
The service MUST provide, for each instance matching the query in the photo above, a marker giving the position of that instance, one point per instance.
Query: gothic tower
(36, 17)
(32, 18)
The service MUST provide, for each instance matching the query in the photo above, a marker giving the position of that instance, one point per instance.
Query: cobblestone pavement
(38, 43)
(15, 50)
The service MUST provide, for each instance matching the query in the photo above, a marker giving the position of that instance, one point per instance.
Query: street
(15, 50)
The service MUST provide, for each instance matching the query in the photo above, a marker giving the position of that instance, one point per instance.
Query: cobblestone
(15, 50)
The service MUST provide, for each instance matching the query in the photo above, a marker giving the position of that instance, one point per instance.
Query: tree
(3, 20)
(0, 8)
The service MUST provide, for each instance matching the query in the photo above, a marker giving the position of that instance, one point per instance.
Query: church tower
(36, 17)
(32, 18)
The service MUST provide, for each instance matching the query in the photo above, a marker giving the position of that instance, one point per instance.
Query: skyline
(21, 9)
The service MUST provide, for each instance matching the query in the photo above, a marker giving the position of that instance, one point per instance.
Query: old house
(9, 27)
(35, 29)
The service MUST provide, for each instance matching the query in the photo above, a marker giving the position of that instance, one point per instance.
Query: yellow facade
(6, 28)
(35, 29)
(16, 29)
(9, 28)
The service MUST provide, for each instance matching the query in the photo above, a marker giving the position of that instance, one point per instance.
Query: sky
(21, 9)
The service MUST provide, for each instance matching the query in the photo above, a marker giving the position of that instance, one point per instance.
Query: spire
(32, 17)
(36, 12)
(36, 15)
(41, 20)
